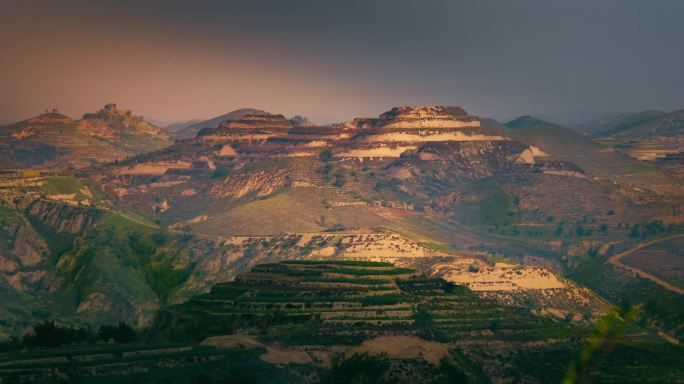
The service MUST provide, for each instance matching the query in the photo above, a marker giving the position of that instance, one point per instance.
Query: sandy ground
(274, 354)
(501, 277)
(405, 347)
(396, 347)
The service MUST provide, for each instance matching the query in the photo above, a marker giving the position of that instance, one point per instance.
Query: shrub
(325, 156)
(50, 335)
(360, 368)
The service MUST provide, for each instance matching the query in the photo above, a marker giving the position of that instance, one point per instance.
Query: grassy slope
(294, 210)
(131, 264)
(625, 123)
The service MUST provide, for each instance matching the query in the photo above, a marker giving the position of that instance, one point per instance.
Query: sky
(336, 60)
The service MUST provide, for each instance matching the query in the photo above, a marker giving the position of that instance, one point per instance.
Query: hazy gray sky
(334, 60)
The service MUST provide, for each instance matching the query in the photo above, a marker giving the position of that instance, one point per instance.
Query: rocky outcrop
(63, 218)
(260, 183)
(22, 248)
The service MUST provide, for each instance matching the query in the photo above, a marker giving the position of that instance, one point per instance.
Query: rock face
(260, 183)
(64, 218)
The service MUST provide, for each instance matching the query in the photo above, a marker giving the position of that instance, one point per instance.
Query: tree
(325, 156)
(121, 333)
(50, 335)
(360, 368)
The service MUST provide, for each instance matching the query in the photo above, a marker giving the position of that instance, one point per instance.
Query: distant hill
(190, 131)
(625, 124)
(175, 127)
(586, 122)
(647, 135)
(562, 143)
(54, 140)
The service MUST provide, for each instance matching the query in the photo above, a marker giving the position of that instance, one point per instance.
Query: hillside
(53, 140)
(625, 123)
(561, 143)
(356, 321)
(535, 193)
(647, 135)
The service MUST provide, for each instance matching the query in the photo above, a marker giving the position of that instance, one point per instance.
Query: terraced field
(163, 363)
(319, 306)
(317, 321)
(375, 297)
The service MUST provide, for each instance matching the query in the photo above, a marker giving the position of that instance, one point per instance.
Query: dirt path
(615, 260)
(136, 220)
(176, 231)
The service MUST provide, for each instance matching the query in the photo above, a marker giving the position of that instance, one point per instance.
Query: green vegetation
(6, 212)
(49, 334)
(348, 263)
(659, 308)
(360, 368)
(277, 303)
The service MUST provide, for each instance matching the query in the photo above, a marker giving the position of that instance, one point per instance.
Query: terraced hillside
(54, 140)
(307, 311)
(374, 297)
(339, 320)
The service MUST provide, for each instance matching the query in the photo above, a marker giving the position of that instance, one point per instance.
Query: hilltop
(190, 131)
(54, 140)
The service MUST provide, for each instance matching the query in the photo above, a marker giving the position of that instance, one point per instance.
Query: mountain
(54, 140)
(626, 122)
(174, 127)
(582, 121)
(190, 131)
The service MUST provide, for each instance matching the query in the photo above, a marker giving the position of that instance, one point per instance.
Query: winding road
(615, 260)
